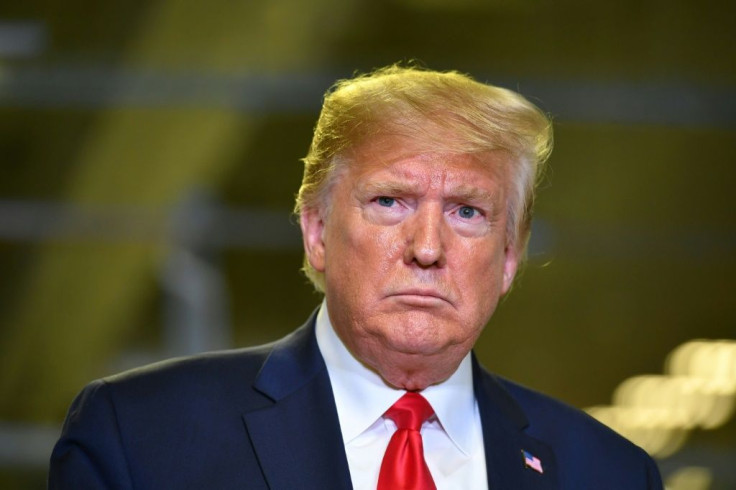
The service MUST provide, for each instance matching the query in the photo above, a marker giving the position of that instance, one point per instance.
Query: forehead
(407, 170)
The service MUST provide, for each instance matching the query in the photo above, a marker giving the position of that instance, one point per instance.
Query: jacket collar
(294, 428)
(507, 445)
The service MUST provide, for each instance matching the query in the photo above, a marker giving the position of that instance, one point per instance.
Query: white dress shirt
(453, 438)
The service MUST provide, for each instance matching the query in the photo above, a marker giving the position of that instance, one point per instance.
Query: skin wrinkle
(432, 113)
(411, 286)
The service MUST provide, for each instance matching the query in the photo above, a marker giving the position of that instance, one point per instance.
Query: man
(415, 210)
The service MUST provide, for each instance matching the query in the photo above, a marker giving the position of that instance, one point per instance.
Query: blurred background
(149, 155)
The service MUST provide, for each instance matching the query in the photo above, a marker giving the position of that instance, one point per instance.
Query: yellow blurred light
(657, 412)
(659, 431)
(690, 478)
(715, 359)
(698, 402)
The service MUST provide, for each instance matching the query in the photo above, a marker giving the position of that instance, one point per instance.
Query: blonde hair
(446, 112)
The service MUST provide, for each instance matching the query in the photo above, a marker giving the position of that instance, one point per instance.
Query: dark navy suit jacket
(265, 418)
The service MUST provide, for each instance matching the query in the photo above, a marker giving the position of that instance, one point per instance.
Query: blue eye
(467, 212)
(386, 202)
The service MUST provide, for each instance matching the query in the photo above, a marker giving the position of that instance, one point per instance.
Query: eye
(466, 212)
(386, 202)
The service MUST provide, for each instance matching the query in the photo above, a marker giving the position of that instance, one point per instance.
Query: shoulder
(582, 445)
(209, 381)
(181, 408)
(188, 382)
(554, 419)
(208, 366)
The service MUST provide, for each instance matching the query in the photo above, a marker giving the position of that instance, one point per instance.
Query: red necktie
(403, 466)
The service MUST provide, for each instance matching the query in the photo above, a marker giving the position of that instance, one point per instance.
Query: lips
(420, 295)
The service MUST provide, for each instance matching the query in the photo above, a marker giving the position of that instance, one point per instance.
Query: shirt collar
(361, 395)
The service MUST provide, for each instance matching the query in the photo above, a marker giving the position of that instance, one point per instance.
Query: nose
(425, 237)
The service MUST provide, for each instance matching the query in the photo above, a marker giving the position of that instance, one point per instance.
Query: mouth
(420, 297)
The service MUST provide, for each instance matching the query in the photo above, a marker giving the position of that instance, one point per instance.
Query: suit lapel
(295, 432)
(505, 440)
(294, 429)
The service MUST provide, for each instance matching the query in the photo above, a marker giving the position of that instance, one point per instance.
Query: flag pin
(531, 461)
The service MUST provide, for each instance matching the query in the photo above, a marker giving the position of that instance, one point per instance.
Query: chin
(415, 365)
(415, 379)
(416, 346)
(420, 335)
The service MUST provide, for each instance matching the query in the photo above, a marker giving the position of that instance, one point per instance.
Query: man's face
(415, 257)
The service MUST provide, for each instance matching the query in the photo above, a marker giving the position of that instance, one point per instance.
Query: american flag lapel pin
(531, 461)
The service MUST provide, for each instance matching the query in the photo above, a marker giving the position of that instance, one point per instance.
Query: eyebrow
(390, 188)
(469, 193)
(464, 193)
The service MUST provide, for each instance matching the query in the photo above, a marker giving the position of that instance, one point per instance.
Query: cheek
(483, 278)
(483, 259)
(356, 254)
(386, 250)
(371, 247)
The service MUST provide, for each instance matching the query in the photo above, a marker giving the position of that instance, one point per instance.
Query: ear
(510, 265)
(313, 226)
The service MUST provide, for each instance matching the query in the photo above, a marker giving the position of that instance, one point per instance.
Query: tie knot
(410, 411)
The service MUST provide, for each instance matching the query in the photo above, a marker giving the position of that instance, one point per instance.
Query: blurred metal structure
(625, 102)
